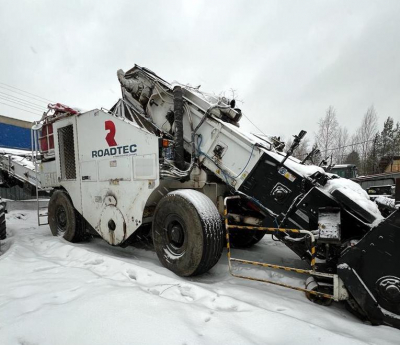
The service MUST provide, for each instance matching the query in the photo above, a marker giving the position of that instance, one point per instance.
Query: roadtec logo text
(113, 151)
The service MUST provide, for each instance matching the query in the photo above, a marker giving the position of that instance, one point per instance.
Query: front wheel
(187, 233)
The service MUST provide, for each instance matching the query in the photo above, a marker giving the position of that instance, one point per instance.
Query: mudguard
(370, 271)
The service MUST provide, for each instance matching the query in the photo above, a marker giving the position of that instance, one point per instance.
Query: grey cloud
(288, 60)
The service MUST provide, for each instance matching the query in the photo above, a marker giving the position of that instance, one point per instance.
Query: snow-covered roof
(340, 166)
(18, 152)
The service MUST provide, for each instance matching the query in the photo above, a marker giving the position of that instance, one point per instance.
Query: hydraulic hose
(178, 113)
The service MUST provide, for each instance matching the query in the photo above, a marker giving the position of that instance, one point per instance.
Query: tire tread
(213, 232)
(211, 226)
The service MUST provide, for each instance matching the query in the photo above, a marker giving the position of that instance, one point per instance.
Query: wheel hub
(175, 234)
(61, 217)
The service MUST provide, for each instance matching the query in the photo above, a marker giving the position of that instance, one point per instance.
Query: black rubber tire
(245, 238)
(197, 243)
(3, 233)
(64, 220)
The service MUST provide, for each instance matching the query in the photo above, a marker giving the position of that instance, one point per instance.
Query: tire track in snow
(172, 290)
(31, 244)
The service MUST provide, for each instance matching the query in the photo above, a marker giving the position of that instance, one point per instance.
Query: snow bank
(386, 201)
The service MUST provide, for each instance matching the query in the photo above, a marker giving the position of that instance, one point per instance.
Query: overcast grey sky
(287, 60)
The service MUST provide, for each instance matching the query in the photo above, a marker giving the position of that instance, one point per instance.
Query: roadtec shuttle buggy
(174, 157)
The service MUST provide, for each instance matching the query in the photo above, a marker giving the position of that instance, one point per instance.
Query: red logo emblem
(110, 137)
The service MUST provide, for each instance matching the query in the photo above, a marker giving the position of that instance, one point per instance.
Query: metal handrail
(311, 272)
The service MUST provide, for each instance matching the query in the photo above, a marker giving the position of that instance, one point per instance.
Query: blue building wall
(15, 137)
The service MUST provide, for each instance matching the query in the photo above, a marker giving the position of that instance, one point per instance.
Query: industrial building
(15, 134)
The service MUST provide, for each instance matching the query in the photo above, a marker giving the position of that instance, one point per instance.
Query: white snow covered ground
(53, 292)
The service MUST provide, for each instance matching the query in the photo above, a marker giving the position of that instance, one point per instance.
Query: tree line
(370, 148)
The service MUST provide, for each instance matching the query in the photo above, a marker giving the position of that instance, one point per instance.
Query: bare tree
(301, 151)
(354, 143)
(342, 142)
(366, 134)
(327, 132)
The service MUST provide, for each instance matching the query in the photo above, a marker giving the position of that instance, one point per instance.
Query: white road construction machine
(172, 157)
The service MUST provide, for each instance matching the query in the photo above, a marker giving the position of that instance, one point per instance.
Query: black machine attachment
(370, 270)
(350, 241)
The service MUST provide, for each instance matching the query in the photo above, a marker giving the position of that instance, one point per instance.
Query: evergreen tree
(353, 158)
(386, 138)
(389, 143)
(396, 139)
(373, 157)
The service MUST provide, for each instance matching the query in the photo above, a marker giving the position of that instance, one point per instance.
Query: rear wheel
(3, 233)
(64, 220)
(187, 233)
